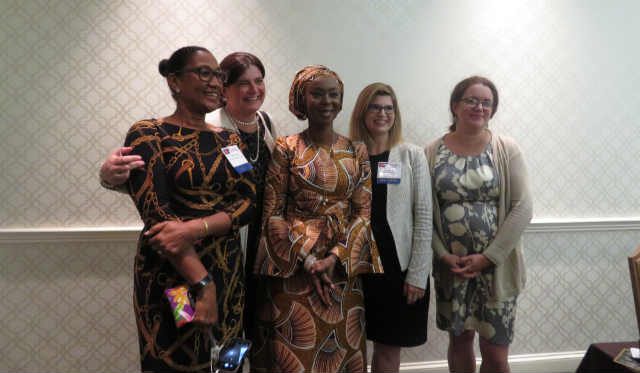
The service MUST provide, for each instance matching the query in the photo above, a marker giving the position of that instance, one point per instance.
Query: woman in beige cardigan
(481, 205)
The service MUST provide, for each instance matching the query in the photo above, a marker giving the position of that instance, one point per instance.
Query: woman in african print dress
(192, 202)
(315, 240)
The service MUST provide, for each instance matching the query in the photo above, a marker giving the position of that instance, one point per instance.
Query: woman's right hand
(206, 306)
(173, 237)
(116, 168)
(456, 264)
(452, 261)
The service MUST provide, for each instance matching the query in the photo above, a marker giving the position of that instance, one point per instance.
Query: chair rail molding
(130, 233)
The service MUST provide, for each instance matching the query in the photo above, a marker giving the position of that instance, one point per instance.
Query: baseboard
(557, 362)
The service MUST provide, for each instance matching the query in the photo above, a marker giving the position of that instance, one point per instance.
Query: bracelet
(107, 185)
(194, 289)
(309, 261)
(335, 255)
(206, 227)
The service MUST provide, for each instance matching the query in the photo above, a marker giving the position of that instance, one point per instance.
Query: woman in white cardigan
(401, 220)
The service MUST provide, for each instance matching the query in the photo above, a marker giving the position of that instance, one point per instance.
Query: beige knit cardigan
(515, 210)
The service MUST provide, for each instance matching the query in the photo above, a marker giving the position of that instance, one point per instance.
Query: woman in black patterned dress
(244, 92)
(192, 202)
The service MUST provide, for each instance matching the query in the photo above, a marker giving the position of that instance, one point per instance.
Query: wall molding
(75, 234)
(548, 225)
(130, 233)
(560, 362)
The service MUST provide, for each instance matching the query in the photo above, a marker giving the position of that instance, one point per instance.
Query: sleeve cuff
(340, 252)
(490, 254)
(418, 280)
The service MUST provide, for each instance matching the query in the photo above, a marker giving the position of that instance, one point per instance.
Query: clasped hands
(468, 266)
(320, 271)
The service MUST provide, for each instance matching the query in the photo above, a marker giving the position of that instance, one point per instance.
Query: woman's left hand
(412, 293)
(173, 237)
(324, 266)
(472, 266)
(206, 306)
(321, 271)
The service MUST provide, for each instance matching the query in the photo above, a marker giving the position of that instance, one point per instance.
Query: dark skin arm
(175, 239)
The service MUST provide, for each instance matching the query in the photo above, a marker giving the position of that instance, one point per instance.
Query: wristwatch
(194, 289)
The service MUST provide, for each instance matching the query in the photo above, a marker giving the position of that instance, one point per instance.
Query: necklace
(238, 123)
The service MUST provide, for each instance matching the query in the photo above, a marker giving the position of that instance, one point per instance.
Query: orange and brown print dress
(317, 200)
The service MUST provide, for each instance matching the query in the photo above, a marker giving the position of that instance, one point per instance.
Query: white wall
(76, 74)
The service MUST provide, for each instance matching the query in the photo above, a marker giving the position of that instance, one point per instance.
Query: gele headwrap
(296, 95)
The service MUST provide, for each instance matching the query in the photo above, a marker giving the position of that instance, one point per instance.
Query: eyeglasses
(205, 74)
(474, 101)
(388, 109)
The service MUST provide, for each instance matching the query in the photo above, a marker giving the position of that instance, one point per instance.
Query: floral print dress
(467, 190)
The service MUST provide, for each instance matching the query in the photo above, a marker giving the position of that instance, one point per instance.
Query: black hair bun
(164, 68)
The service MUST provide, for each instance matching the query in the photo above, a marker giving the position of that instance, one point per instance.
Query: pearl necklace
(238, 123)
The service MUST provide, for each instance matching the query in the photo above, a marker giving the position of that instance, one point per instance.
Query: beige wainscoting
(67, 298)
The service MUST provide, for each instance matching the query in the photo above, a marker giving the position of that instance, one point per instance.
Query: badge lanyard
(236, 158)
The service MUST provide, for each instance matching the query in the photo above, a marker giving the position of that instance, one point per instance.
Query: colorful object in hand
(180, 304)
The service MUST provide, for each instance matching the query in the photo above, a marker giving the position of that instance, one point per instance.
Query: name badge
(389, 173)
(236, 158)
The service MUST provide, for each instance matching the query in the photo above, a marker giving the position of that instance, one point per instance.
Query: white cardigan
(409, 213)
(219, 118)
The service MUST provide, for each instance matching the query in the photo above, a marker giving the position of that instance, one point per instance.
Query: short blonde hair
(357, 127)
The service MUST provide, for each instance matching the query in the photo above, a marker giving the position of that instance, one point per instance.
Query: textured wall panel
(578, 292)
(77, 74)
(67, 306)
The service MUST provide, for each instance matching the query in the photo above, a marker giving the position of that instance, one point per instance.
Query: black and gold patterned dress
(186, 176)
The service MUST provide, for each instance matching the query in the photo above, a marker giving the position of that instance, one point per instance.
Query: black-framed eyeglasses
(474, 101)
(205, 74)
(375, 108)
